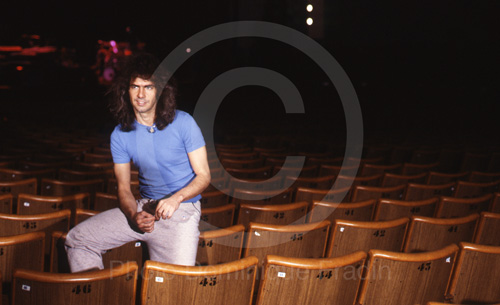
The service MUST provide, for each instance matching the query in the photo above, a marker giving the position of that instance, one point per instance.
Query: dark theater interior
(353, 151)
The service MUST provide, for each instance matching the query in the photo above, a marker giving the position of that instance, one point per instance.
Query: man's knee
(73, 238)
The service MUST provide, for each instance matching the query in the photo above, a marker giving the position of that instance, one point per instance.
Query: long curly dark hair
(145, 66)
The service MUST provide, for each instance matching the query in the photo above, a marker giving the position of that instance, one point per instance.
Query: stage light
(19, 68)
(309, 8)
(309, 21)
(188, 50)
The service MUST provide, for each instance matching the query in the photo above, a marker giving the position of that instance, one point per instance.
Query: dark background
(426, 66)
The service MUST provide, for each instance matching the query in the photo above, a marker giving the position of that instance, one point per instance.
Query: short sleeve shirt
(161, 156)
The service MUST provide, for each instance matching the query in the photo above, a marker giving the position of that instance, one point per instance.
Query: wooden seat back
(488, 226)
(279, 196)
(475, 278)
(217, 217)
(6, 203)
(26, 186)
(220, 246)
(227, 283)
(21, 251)
(362, 193)
(310, 195)
(466, 189)
(12, 224)
(272, 184)
(387, 209)
(442, 178)
(109, 286)
(213, 198)
(305, 240)
(80, 215)
(360, 211)
(476, 176)
(369, 169)
(277, 214)
(410, 168)
(390, 179)
(262, 172)
(416, 191)
(37, 204)
(322, 183)
(393, 278)
(350, 236)
(430, 233)
(105, 201)
(450, 207)
(309, 281)
(51, 187)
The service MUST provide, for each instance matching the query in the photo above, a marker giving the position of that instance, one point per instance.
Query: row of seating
(322, 182)
(370, 174)
(457, 274)
(371, 209)
(243, 162)
(321, 175)
(369, 213)
(330, 239)
(308, 240)
(441, 158)
(295, 176)
(217, 211)
(389, 149)
(256, 192)
(224, 216)
(295, 213)
(207, 242)
(32, 145)
(268, 191)
(373, 179)
(77, 158)
(320, 164)
(38, 204)
(83, 151)
(59, 188)
(361, 188)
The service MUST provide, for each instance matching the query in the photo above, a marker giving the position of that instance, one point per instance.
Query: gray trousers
(173, 241)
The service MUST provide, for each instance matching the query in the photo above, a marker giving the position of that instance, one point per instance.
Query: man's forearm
(194, 188)
(127, 203)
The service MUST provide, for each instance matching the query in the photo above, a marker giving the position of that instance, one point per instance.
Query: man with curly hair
(167, 147)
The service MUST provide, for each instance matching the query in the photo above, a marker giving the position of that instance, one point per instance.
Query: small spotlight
(309, 8)
(19, 68)
(188, 50)
(309, 21)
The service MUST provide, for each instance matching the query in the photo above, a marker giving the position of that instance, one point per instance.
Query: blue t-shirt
(161, 156)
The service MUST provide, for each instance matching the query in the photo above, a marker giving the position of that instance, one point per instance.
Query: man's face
(142, 94)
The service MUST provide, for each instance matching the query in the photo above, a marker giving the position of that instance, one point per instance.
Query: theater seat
(228, 283)
(393, 278)
(475, 277)
(109, 286)
(309, 281)
(220, 246)
(20, 251)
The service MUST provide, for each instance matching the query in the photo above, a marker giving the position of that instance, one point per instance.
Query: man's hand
(144, 221)
(167, 207)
